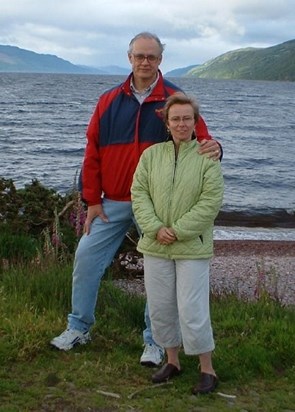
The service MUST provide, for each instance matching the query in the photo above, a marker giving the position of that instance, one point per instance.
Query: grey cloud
(98, 32)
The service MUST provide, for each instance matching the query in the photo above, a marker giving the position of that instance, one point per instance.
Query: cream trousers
(178, 301)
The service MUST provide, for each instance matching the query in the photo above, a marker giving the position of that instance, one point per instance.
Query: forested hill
(14, 59)
(271, 63)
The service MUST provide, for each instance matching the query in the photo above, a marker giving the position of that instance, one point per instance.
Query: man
(126, 121)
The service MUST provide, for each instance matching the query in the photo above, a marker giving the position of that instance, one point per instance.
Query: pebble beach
(243, 267)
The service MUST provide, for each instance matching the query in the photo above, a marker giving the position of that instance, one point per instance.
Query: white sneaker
(152, 356)
(69, 338)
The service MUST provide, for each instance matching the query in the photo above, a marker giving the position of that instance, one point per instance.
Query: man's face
(145, 59)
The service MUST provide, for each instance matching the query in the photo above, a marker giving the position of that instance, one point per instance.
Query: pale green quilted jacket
(185, 194)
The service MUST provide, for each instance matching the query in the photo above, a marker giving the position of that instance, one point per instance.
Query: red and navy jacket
(119, 131)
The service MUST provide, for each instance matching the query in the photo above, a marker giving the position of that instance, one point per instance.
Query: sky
(97, 32)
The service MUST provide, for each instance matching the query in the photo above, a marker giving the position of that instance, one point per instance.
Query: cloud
(97, 33)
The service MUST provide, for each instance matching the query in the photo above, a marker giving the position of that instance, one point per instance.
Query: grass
(254, 356)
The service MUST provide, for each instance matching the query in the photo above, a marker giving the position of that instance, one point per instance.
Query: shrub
(21, 248)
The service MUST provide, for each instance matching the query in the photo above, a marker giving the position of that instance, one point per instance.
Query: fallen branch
(110, 394)
(224, 395)
(67, 206)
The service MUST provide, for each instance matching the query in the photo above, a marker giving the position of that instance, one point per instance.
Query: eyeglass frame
(140, 57)
(185, 119)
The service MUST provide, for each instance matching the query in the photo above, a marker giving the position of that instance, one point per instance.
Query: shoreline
(251, 247)
(267, 219)
(253, 233)
(242, 267)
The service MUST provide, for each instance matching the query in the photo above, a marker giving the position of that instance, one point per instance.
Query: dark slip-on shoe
(165, 373)
(207, 384)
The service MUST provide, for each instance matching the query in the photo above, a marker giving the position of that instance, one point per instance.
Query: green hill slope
(14, 59)
(181, 71)
(271, 63)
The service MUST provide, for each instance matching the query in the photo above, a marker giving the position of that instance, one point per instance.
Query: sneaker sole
(149, 364)
(67, 348)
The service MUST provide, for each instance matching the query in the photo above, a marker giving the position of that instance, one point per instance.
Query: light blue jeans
(95, 252)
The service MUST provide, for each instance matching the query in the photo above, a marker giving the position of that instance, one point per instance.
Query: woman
(176, 195)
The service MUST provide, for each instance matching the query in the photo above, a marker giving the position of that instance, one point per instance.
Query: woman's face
(181, 122)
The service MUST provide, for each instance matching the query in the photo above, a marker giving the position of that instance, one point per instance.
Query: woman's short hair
(180, 98)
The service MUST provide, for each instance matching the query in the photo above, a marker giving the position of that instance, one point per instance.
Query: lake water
(44, 118)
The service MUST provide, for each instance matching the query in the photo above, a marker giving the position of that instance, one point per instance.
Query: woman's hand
(166, 236)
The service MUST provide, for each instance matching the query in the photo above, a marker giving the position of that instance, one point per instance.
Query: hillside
(271, 63)
(182, 71)
(14, 59)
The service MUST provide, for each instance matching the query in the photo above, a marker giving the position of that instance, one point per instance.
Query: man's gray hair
(146, 35)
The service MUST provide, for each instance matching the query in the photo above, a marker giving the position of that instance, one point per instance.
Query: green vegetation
(254, 357)
(14, 59)
(43, 220)
(271, 63)
(255, 347)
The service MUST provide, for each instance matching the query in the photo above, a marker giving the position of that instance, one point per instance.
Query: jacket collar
(158, 91)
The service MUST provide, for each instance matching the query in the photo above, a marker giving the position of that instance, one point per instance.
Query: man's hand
(93, 212)
(211, 147)
(166, 236)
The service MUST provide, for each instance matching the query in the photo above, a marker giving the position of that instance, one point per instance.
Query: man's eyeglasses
(140, 58)
(184, 119)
